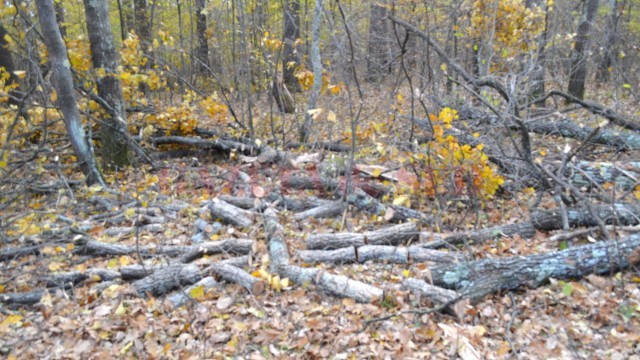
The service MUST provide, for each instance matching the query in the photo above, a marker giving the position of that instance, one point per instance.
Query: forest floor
(597, 317)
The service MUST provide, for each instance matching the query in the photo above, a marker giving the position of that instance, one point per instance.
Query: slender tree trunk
(610, 49)
(537, 76)
(202, 49)
(63, 83)
(123, 23)
(578, 74)
(6, 62)
(60, 16)
(378, 58)
(291, 33)
(317, 72)
(103, 55)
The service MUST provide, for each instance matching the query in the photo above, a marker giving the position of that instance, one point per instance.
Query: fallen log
(22, 299)
(479, 278)
(438, 296)
(126, 230)
(333, 284)
(181, 297)
(282, 202)
(231, 246)
(230, 214)
(167, 279)
(620, 214)
(431, 240)
(332, 185)
(96, 248)
(324, 145)
(380, 253)
(233, 274)
(391, 235)
(332, 209)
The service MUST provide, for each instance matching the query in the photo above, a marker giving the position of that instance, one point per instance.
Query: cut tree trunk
(479, 278)
(380, 253)
(392, 235)
(230, 214)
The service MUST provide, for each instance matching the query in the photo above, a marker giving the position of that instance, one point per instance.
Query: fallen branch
(230, 214)
(386, 253)
(438, 296)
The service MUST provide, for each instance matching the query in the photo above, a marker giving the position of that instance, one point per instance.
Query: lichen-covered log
(126, 230)
(73, 278)
(229, 246)
(282, 202)
(233, 274)
(434, 240)
(333, 284)
(587, 174)
(332, 209)
(181, 297)
(331, 185)
(392, 235)
(478, 278)
(393, 254)
(230, 214)
(167, 279)
(393, 213)
(438, 296)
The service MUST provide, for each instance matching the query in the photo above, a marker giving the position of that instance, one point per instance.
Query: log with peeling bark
(220, 145)
(386, 253)
(333, 284)
(479, 278)
(73, 278)
(181, 297)
(393, 213)
(438, 296)
(230, 214)
(434, 240)
(332, 209)
(330, 146)
(233, 274)
(391, 235)
(169, 278)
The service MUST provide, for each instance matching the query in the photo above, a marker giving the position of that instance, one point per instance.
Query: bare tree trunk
(537, 76)
(378, 57)
(123, 23)
(63, 83)
(317, 71)
(60, 16)
(115, 151)
(202, 50)
(291, 32)
(6, 62)
(610, 53)
(578, 74)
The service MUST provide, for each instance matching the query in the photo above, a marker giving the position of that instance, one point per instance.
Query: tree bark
(202, 49)
(305, 130)
(63, 83)
(378, 58)
(578, 74)
(291, 33)
(115, 149)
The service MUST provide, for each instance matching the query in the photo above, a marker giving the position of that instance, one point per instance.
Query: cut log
(285, 203)
(231, 246)
(332, 209)
(331, 185)
(620, 214)
(73, 278)
(333, 284)
(22, 299)
(438, 296)
(433, 240)
(180, 297)
(330, 146)
(392, 254)
(230, 214)
(96, 248)
(392, 235)
(127, 230)
(477, 279)
(167, 279)
(233, 274)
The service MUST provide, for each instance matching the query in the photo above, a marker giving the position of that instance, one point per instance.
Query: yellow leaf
(402, 200)
(3, 164)
(126, 348)
(406, 273)
(54, 266)
(276, 284)
(121, 310)
(54, 96)
(331, 116)
(285, 283)
(1, 288)
(112, 264)
(10, 320)
(196, 292)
